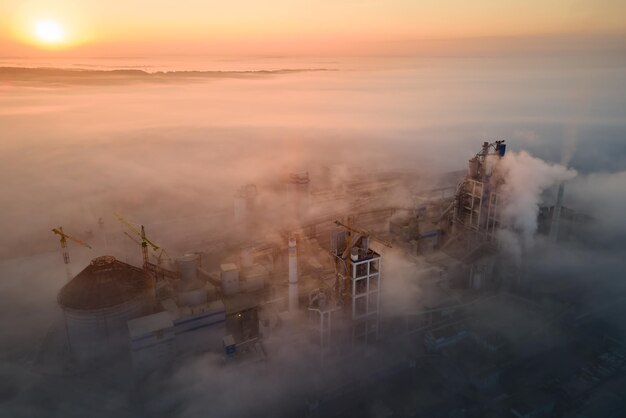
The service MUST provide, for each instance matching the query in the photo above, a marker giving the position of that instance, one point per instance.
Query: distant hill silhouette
(64, 76)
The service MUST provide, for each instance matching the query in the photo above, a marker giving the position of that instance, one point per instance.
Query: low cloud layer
(171, 155)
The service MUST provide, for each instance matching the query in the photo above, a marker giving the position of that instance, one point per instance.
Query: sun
(49, 32)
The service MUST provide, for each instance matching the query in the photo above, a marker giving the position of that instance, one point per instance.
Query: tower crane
(159, 258)
(159, 269)
(63, 238)
(145, 242)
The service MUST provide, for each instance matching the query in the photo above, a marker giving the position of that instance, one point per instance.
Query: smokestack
(188, 266)
(293, 275)
(556, 214)
(299, 189)
(244, 205)
(241, 210)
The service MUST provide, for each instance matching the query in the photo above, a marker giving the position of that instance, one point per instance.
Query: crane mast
(64, 249)
(145, 242)
(63, 239)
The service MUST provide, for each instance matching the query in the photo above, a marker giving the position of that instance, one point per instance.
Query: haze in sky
(171, 150)
(325, 27)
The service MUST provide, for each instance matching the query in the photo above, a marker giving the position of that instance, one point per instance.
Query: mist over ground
(174, 153)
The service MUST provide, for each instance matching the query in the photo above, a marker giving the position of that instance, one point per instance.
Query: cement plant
(312, 209)
(318, 297)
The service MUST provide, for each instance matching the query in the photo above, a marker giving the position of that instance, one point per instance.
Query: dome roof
(104, 283)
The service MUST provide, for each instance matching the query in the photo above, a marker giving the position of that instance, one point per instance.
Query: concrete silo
(98, 302)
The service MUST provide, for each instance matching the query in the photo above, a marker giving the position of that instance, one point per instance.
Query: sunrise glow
(281, 27)
(49, 32)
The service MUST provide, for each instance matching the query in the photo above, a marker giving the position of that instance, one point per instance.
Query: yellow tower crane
(64, 237)
(145, 242)
(159, 270)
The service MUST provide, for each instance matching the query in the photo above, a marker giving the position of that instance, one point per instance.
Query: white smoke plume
(602, 195)
(526, 178)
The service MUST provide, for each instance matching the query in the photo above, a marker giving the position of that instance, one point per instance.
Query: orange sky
(119, 27)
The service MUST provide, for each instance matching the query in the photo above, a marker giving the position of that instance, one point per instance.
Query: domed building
(98, 302)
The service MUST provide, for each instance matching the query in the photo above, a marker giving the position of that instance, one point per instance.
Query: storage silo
(98, 302)
(188, 266)
(191, 290)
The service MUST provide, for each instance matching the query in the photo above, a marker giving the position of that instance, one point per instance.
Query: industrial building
(249, 286)
(320, 278)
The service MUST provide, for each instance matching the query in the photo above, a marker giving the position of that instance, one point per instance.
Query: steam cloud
(527, 177)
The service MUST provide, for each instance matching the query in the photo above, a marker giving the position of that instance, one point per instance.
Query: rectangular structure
(365, 292)
(152, 341)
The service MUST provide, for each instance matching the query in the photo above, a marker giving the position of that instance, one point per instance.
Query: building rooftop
(148, 324)
(171, 306)
(104, 283)
(228, 267)
(238, 303)
(176, 312)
